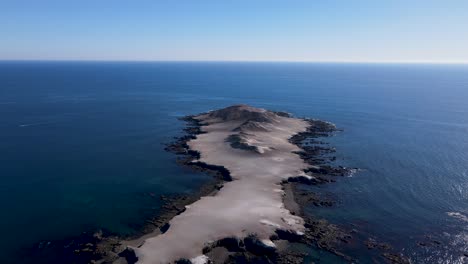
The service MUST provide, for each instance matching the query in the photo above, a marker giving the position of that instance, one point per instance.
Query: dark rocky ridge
(252, 126)
(238, 141)
(243, 112)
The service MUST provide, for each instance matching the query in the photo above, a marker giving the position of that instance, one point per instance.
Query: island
(257, 148)
(253, 211)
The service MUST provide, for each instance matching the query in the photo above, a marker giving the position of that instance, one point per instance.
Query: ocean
(82, 144)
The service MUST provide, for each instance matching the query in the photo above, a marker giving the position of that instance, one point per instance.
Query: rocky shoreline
(103, 248)
(320, 233)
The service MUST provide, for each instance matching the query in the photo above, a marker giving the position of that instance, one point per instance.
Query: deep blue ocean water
(81, 144)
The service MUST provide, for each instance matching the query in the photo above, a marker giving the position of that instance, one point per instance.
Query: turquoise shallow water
(82, 143)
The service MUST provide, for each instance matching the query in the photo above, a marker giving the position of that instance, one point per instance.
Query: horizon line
(240, 61)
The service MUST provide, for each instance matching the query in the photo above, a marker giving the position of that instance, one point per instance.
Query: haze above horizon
(207, 30)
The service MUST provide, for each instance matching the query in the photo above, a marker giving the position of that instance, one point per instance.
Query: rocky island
(253, 212)
(254, 146)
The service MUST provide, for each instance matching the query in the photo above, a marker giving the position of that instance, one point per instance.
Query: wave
(37, 124)
(458, 216)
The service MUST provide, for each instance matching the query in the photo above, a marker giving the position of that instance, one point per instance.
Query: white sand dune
(250, 204)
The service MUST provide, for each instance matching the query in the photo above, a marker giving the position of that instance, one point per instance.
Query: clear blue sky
(245, 30)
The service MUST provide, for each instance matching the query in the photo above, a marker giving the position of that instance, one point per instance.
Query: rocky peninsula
(254, 146)
(253, 211)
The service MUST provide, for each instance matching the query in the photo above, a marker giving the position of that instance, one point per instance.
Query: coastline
(318, 233)
(258, 246)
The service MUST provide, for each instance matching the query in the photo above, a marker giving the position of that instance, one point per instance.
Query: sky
(235, 30)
